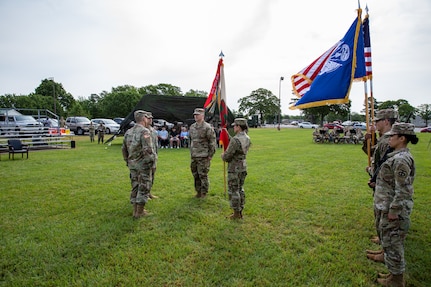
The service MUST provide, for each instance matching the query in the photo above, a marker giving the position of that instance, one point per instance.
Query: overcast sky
(90, 46)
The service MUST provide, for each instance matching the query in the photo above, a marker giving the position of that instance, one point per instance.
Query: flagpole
(369, 76)
(367, 121)
(279, 102)
(224, 127)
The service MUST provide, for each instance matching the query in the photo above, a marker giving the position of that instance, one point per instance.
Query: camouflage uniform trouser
(141, 180)
(200, 167)
(392, 234)
(377, 216)
(235, 182)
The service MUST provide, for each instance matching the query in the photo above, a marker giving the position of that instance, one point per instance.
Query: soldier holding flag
(235, 155)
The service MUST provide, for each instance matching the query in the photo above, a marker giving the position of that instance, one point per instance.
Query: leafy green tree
(8, 101)
(119, 102)
(319, 113)
(261, 102)
(424, 111)
(77, 110)
(357, 117)
(196, 93)
(161, 89)
(32, 101)
(405, 110)
(59, 100)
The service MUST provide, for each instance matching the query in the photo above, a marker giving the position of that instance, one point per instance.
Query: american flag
(367, 47)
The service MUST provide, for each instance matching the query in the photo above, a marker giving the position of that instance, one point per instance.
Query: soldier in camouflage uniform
(235, 155)
(384, 120)
(202, 149)
(139, 155)
(393, 197)
(154, 137)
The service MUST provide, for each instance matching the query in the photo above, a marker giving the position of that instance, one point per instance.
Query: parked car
(426, 130)
(332, 126)
(362, 126)
(78, 125)
(161, 123)
(307, 125)
(110, 125)
(118, 120)
(347, 123)
(18, 123)
(48, 122)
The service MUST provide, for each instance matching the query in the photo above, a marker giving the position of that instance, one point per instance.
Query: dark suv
(78, 125)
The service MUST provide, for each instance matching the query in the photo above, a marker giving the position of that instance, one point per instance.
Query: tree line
(121, 100)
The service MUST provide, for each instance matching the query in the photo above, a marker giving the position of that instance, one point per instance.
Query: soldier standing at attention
(91, 131)
(235, 155)
(100, 133)
(155, 139)
(384, 120)
(202, 149)
(393, 197)
(139, 155)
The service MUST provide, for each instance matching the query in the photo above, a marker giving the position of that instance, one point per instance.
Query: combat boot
(135, 208)
(383, 275)
(140, 211)
(392, 281)
(374, 251)
(235, 215)
(198, 195)
(375, 240)
(377, 257)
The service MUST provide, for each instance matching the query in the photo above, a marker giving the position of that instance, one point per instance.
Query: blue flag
(327, 80)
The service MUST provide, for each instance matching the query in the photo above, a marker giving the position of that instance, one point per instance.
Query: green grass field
(66, 219)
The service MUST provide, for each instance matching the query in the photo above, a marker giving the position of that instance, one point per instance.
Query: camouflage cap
(240, 122)
(148, 115)
(137, 112)
(199, 111)
(386, 114)
(402, 129)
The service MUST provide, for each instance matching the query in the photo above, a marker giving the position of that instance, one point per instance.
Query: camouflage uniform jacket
(154, 138)
(236, 152)
(202, 140)
(394, 187)
(138, 147)
(379, 151)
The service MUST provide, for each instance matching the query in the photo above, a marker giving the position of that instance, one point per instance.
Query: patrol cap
(386, 114)
(148, 115)
(402, 129)
(137, 112)
(239, 122)
(199, 111)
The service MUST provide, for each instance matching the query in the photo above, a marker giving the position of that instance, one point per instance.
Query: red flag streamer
(218, 95)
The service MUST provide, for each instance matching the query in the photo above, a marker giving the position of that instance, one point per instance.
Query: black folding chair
(16, 146)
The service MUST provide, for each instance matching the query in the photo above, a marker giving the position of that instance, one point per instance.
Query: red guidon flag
(218, 95)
